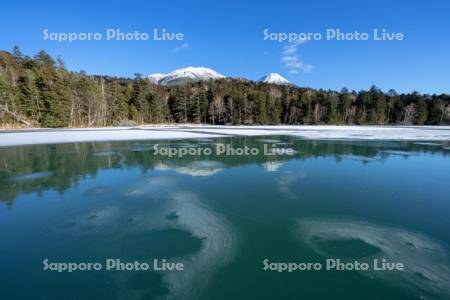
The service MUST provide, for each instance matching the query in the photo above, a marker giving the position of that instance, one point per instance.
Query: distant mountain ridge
(194, 74)
(184, 75)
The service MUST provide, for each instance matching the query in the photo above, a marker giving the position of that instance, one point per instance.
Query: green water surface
(222, 216)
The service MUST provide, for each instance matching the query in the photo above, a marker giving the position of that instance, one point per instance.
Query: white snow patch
(52, 136)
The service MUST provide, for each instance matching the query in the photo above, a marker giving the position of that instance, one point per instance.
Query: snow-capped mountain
(189, 74)
(155, 78)
(274, 78)
(193, 74)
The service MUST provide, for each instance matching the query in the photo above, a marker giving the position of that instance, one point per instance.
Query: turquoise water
(222, 216)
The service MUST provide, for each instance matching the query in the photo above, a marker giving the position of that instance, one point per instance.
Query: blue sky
(228, 37)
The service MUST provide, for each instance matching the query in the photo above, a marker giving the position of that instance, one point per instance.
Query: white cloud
(291, 59)
(179, 48)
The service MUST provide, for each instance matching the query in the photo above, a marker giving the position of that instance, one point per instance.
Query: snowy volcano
(184, 75)
(274, 78)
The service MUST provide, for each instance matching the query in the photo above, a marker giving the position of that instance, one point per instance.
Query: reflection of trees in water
(67, 163)
(71, 163)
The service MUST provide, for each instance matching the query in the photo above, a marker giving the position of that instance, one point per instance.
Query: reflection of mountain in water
(195, 168)
(272, 166)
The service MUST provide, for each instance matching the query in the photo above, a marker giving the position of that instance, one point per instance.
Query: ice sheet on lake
(31, 176)
(269, 141)
(399, 152)
(105, 153)
(50, 136)
(360, 158)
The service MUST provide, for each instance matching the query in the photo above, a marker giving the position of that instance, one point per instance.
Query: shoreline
(35, 136)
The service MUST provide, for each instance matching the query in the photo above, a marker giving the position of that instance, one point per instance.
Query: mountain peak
(274, 78)
(184, 75)
(155, 78)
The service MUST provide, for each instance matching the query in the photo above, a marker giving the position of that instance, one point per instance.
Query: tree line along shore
(40, 92)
